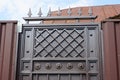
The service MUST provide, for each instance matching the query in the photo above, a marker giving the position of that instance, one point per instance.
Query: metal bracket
(19, 27)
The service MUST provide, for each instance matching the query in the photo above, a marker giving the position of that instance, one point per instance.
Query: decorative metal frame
(60, 51)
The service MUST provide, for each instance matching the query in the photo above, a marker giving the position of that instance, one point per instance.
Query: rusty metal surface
(8, 36)
(111, 38)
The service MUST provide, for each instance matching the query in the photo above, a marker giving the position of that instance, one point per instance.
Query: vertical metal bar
(86, 39)
(69, 76)
(99, 53)
(47, 76)
(36, 77)
(21, 52)
(32, 47)
(33, 42)
(102, 53)
(16, 56)
(58, 76)
(81, 77)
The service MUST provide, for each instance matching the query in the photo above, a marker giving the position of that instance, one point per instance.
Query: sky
(16, 9)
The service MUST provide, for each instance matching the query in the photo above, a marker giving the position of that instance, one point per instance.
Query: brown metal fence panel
(111, 38)
(8, 36)
(118, 45)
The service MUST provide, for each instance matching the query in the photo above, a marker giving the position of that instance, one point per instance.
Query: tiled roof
(103, 12)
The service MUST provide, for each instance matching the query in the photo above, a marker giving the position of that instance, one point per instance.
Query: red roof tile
(103, 12)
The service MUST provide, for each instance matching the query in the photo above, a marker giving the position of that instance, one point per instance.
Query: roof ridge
(91, 6)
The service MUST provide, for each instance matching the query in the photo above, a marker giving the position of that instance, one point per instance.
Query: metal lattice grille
(59, 43)
(60, 53)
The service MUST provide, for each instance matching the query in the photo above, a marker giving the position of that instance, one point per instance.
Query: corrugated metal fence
(111, 40)
(8, 42)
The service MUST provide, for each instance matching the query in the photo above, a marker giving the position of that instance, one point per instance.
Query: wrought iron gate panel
(59, 43)
(60, 53)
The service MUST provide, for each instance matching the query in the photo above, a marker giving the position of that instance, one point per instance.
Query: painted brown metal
(111, 38)
(118, 45)
(8, 38)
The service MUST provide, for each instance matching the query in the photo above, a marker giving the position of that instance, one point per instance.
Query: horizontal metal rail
(73, 24)
(59, 18)
(60, 59)
(62, 72)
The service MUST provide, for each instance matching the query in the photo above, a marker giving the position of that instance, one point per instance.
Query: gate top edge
(59, 15)
(59, 18)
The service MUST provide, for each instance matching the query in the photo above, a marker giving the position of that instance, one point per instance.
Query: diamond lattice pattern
(59, 43)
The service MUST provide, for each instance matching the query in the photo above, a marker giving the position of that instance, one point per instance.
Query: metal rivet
(81, 66)
(69, 66)
(37, 66)
(48, 66)
(58, 66)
